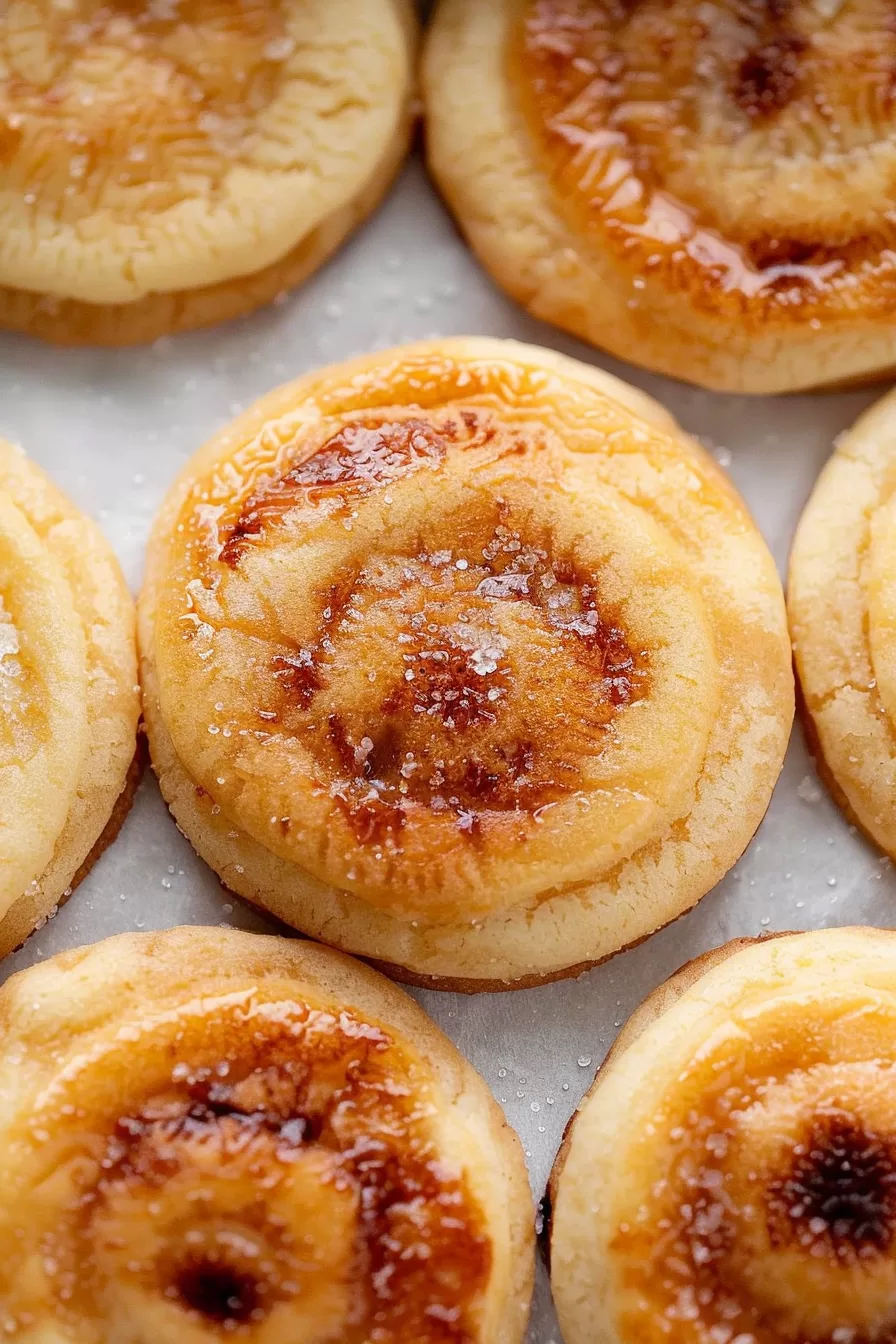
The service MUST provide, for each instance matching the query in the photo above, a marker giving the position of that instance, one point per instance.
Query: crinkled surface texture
(842, 604)
(67, 691)
(464, 658)
(214, 1135)
(700, 189)
(168, 165)
(732, 1173)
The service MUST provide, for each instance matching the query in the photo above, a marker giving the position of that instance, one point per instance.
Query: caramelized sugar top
(740, 152)
(470, 676)
(353, 461)
(281, 1174)
(773, 1218)
(132, 106)
(412, 638)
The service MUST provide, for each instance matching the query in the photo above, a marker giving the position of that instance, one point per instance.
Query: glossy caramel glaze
(427, 630)
(756, 1197)
(733, 153)
(251, 1160)
(702, 189)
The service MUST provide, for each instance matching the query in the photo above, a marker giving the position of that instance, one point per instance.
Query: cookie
(842, 600)
(464, 658)
(169, 166)
(212, 1135)
(731, 1171)
(68, 691)
(703, 190)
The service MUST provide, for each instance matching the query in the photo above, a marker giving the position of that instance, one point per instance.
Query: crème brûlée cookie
(842, 605)
(69, 702)
(213, 1135)
(166, 166)
(702, 189)
(464, 658)
(732, 1172)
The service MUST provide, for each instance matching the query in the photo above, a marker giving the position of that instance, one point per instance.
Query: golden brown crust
(839, 603)
(282, 1143)
(583, 147)
(281, 178)
(823, 769)
(470, 986)
(31, 910)
(398, 588)
(70, 717)
(760, 1073)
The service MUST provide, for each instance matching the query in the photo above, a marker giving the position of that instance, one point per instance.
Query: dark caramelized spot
(255, 1094)
(355, 460)
(767, 253)
(297, 674)
(841, 1191)
(769, 76)
(373, 820)
(219, 1293)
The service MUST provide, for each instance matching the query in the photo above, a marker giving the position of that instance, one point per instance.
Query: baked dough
(213, 1135)
(68, 696)
(701, 189)
(731, 1174)
(464, 658)
(842, 603)
(168, 165)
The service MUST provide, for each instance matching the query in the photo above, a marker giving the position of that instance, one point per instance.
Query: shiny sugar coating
(241, 1153)
(753, 1194)
(660, 122)
(704, 189)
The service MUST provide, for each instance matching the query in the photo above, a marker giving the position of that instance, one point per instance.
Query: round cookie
(211, 1135)
(698, 189)
(731, 1171)
(842, 606)
(462, 657)
(165, 167)
(68, 695)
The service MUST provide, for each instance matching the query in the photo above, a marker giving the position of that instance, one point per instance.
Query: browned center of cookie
(286, 1172)
(219, 1293)
(711, 148)
(777, 1215)
(481, 687)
